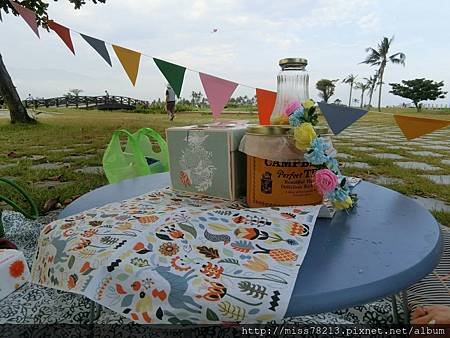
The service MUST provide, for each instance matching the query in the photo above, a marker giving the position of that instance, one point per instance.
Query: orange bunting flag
(28, 15)
(63, 32)
(413, 127)
(130, 61)
(265, 100)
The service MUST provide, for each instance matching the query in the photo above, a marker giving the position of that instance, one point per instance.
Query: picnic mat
(171, 257)
(13, 271)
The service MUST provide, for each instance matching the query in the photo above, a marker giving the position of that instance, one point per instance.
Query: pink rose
(294, 105)
(326, 181)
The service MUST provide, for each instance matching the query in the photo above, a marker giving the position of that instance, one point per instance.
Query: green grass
(90, 131)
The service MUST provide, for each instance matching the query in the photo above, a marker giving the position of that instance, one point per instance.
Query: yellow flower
(343, 204)
(280, 119)
(303, 135)
(308, 104)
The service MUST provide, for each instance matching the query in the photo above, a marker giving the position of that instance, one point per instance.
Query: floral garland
(318, 152)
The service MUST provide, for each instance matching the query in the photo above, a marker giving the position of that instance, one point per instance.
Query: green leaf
(211, 315)
(127, 300)
(229, 261)
(122, 277)
(173, 320)
(71, 261)
(189, 229)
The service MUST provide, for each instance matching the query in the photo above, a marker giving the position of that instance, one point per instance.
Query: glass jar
(277, 175)
(292, 89)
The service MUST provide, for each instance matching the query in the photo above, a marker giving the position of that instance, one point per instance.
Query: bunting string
(217, 89)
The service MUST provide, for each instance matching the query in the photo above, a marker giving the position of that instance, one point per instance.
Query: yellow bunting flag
(413, 127)
(130, 61)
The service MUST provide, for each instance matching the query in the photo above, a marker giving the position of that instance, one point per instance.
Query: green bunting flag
(173, 73)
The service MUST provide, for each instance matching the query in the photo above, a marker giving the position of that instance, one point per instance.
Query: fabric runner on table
(171, 257)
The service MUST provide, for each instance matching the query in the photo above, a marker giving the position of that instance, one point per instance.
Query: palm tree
(350, 80)
(372, 82)
(379, 57)
(363, 87)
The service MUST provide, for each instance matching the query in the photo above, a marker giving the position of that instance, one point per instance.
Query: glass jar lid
(293, 62)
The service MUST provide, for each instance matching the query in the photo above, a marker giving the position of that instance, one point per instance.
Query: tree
(326, 88)
(350, 80)
(379, 57)
(16, 108)
(418, 90)
(363, 87)
(372, 82)
(196, 98)
(73, 92)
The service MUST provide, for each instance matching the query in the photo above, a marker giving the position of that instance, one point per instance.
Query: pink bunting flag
(218, 91)
(28, 15)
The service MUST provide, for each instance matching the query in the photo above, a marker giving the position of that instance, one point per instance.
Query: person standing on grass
(170, 102)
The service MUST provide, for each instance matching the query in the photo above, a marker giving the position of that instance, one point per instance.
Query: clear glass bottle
(292, 89)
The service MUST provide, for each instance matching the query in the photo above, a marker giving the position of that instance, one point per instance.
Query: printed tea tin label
(277, 183)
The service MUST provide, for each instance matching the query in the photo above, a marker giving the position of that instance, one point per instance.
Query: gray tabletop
(385, 244)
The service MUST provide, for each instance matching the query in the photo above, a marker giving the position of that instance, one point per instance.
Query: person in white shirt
(170, 102)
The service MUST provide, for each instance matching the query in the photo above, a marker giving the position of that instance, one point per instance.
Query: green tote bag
(119, 164)
(158, 161)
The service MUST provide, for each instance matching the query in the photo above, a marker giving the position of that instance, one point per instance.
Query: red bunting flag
(63, 32)
(265, 100)
(413, 127)
(218, 91)
(28, 15)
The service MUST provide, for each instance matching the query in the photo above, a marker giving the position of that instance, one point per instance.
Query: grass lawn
(77, 139)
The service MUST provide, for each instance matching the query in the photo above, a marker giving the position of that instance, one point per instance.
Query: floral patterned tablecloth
(170, 257)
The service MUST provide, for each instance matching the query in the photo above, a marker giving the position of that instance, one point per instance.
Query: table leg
(405, 306)
(394, 308)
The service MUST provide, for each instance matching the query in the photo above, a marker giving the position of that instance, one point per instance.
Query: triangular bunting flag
(218, 91)
(63, 32)
(28, 15)
(99, 47)
(130, 61)
(413, 127)
(340, 117)
(173, 73)
(265, 100)
(1, 16)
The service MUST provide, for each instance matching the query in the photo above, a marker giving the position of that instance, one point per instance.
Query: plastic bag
(120, 165)
(158, 162)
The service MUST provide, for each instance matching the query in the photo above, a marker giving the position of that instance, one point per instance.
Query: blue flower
(320, 144)
(333, 165)
(295, 117)
(338, 194)
(316, 156)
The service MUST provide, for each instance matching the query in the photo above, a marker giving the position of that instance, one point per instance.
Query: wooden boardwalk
(95, 102)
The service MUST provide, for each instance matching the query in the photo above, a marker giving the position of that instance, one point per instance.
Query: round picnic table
(381, 247)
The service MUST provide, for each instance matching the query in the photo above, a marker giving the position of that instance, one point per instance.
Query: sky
(251, 37)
